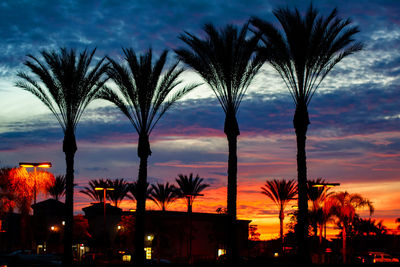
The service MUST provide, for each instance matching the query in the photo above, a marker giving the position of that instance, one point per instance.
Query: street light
(34, 165)
(104, 189)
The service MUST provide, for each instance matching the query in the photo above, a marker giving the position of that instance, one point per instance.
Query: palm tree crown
(92, 192)
(163, 195)
(281, 192)
(57, 190)
(190, 188)
(120, 190)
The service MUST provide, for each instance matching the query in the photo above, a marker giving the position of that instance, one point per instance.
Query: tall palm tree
(91, 191)
(144, 95)
(67, 85)
(163, 195)
(190, 188)
(343, 206)
(57, 189)
(281, 192)
(303, 54)
(225, 60)
(119, 192)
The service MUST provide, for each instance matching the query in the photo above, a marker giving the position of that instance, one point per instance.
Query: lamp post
(34, 165)
(104, 189)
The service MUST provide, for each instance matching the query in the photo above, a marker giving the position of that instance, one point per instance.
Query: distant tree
(221, 210)
(281, 192)
(94, 194)
(254, 235)
(318, 215)
(57, 190)
(398, 221)
(225, 60)
(119, 192)
(343, 206)
(68, 84)
(303, 55)
(7, 196)
(133, 190)
(190, 188)
(163, 195)
(367, 227)
(144, 93)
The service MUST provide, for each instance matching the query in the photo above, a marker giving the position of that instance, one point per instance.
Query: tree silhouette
(69, 84)
(7, 195)
(343, 206)
(91, 191)
(224, 59)
(142, 95)
(303, 54)
(190, 188)
(398, 221)
(281, 192)
(119, 192)
(57, 190)
(163, 195)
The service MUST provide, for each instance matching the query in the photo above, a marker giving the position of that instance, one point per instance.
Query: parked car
(378, 257)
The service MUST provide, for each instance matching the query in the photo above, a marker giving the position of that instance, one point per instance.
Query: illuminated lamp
(46, 164)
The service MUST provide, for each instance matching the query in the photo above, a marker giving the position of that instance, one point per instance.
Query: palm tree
(68, 85)
(303, 55)
(343, 206)
(190, 188)
(119, 192)
(91, 191)
(224, 59)
(57, 189)
(142, 95)
(134, 193)
(281, 192)
(163, 195)
(317, 195)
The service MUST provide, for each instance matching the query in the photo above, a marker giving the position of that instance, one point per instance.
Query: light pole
(46, 164)
(104, 189)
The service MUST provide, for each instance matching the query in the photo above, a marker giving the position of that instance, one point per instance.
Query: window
(148, 253)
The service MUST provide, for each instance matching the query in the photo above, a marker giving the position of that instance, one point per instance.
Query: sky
(353, 138)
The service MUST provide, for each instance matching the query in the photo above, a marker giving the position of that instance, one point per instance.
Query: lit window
(148, 253)
(221, 251)
(126, 257)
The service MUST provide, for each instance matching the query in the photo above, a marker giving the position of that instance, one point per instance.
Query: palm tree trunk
(69, 148)
(232, 131)
(143, 152)
(281, 218)
(300, 123)
(344, 244)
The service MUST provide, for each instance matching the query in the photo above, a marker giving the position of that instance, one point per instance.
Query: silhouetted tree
(398, 221)
(190, 188)
(119, 192)
(57, 190)
(163, 195)
(343, 206)
(142, 95)
(317, 195)
(225, 60)
(303, 54)
(7, 195)
(96, 195)
(281, 192)
(69, 84)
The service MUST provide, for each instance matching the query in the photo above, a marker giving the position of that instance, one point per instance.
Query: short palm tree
(163, 195)
(67, 85)
(318, 195)
(343, 206)
(190, 188)
(91, 191)
(144, 94)
(225, 60)
(57, 190)
(120, 190)
(303, 54)
(281, 192)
